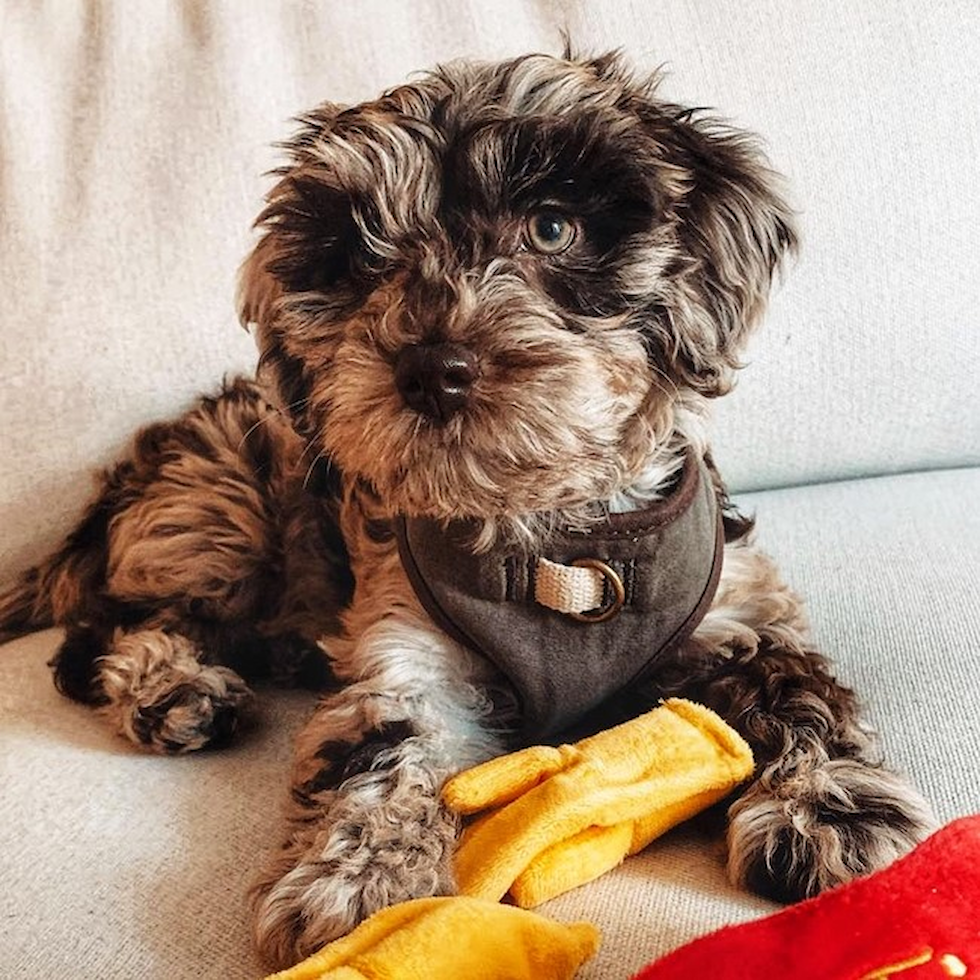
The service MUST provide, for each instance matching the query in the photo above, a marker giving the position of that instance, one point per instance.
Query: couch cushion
(120, 864)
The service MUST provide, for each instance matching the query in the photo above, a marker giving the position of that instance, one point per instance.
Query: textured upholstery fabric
(118, 865)
(133, 137)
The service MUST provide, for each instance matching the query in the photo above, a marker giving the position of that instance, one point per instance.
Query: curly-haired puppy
(492, 308)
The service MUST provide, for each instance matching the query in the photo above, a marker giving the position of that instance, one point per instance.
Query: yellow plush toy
(559, 817)
(449, 938)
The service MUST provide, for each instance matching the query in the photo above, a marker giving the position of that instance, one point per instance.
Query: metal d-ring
(601, 614)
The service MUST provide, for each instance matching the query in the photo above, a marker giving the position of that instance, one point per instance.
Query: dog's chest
(587, 613)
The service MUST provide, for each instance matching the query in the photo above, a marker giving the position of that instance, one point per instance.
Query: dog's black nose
(435, 379)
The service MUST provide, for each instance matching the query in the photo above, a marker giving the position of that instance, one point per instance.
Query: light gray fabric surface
(133, 137)
(117, 864)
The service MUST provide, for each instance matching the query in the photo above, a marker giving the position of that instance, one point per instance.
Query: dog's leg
(366, 824)
(201, 565)
(822, 809)
(155, 691)
(184, 687)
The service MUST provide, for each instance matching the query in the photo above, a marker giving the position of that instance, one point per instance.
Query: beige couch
(133, 138)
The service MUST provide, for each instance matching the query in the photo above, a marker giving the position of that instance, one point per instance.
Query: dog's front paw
(385, 839)
(159, 696)
(793, 835)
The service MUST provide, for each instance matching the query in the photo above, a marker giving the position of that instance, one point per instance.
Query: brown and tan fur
(567, 382)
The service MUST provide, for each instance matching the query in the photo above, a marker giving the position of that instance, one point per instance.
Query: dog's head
(486, 293)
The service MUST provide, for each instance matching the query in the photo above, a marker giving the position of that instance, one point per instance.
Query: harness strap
(587, 615)
(568, 588)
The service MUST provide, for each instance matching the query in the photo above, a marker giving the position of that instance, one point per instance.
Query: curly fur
(219, 550)
(157, 693)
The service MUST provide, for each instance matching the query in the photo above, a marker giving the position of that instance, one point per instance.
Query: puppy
(492, 308)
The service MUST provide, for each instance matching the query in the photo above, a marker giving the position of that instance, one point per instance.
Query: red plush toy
(918, 919)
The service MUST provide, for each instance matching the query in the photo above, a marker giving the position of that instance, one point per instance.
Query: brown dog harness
(591, 612)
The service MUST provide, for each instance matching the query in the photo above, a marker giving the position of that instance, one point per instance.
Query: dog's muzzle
(435, 379)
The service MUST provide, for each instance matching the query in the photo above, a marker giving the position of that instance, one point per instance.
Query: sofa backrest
(135, 135)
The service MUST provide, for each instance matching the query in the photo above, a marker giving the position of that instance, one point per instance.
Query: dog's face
(485, 293)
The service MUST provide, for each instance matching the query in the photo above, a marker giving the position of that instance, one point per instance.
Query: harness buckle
(602, 613)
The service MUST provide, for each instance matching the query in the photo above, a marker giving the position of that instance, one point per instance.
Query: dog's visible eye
(550, 232)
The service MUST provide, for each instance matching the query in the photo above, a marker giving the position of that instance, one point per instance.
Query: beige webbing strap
(579, 590)
(568, 588)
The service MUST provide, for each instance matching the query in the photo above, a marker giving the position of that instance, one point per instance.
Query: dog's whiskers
(275, 413)
(309, 473)
(311, 444)
(262, 421)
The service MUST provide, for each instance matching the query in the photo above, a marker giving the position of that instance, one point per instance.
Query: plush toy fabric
(559, 817)
(450, 938)
(918, 919)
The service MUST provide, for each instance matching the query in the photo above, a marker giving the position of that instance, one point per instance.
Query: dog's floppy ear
(261, 289)
(304, 221)
(300, 253)
(258, 289)
(733, 230)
